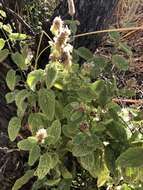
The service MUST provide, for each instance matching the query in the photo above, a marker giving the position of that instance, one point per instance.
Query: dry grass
(130, 13)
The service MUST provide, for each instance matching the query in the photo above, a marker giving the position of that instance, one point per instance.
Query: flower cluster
(41, 135)
(60, 48)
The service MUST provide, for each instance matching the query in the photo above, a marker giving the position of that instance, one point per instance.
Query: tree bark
(92, 15)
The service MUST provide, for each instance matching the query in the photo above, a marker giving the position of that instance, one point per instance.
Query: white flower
(41, 135)
(57, 26)
(68, 48)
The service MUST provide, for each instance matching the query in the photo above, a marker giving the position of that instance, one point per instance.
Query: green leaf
(100, 88)
(13, 128)
(84, 53)
(2, 13)
(70, 130)
(58, 110)
(3, 54)
(21, 109)
(17, 36)
(86, 94)
(125, 187)
(51, 75)
(124, 47)
(7, 28)
(87, 162)
(103, 176)
(27, 144)
(44, 166)
(65, 173)
(23, 180)
(120, 62)
(11, 79)
(77, 115)
(19, 60)
(20, 97)
(54, 160)
(79, 138)
(10, 97)
(46, 100)
(34, 154)
(2, 43)
(55, 131)
(34, 77)
(98, 164)
(99, 65)
(115, 36)
(52, 182)
(109, 156)
(117, 131)
(82, 150)
(36, 121)
(132, 157)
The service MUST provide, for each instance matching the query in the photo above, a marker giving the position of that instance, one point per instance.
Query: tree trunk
(92, 15)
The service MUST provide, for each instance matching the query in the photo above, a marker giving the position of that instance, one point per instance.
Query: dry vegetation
(130, 13)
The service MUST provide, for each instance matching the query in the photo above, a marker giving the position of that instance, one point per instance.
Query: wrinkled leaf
(3, 54)
(46, 100)
(23, 180)
(2, 43)
(132, 157)
(34, 154)
(19, 60)
(11, 79)
(34, 77)
(51, 76)
(13, 128)
(120, 62)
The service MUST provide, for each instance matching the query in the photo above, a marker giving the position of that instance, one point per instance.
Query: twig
(20, 19)
(127, 101)
(109, 30)
(39, 45)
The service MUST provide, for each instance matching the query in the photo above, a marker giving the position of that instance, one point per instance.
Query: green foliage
(14, 128)
(23, 180)
(11, 79)
(71, 116)
(3, 54)
(131, 158)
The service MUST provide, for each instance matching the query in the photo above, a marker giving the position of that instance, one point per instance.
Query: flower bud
(71, 7)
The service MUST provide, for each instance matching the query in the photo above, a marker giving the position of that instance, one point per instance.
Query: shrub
(77, 130)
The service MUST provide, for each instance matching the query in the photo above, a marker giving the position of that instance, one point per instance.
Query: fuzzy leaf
(11, 79)
(34, 154)
(19, 60)
(84, 53)
(44, 166)
(51, 76)
(81, 150)
(2, 43)
(132, 157)
(23, 180)
(55, 131)
(27, 144)
(13, 128)
(46, 100)
(10, 97)
(120, 62)
(34, 77)
(3, 54)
